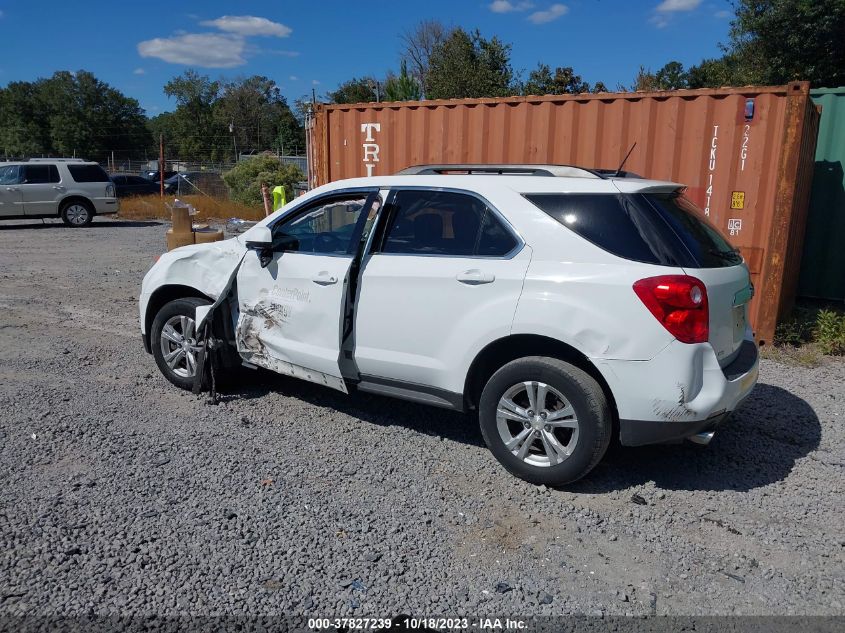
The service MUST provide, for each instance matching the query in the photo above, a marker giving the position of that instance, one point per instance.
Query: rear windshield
(663, 229)
(88, 173)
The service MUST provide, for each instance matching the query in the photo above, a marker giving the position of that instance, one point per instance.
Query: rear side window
(708, 247)
(445, 223)
(662, 229)
(88, 173)
(10, 175)
(40, 174)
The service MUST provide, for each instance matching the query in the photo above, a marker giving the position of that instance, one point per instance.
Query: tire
(178, 315)
(77, 213)
(565, 438)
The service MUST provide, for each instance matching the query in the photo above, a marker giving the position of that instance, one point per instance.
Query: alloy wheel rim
(179, 346)
(77, 214)
(537, 423)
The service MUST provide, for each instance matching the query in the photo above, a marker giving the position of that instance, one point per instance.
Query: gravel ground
(120, 494)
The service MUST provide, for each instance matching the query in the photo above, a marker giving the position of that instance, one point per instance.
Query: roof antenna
(624, 160)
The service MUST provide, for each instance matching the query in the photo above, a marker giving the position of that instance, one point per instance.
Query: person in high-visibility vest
(279, 197)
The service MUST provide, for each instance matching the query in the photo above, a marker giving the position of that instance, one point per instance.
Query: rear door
(292, 311)
(41, 189)
(446, 273)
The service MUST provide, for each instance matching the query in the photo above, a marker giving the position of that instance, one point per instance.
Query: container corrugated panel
(738, 150)
(823, 264)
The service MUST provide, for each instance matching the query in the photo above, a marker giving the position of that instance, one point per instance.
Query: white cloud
(207, 50)
(315, 82)
(293, 78)
(139, 71)
(548, 15)
(669, 6)
(282, 53)
(504, 6)
(248, 25)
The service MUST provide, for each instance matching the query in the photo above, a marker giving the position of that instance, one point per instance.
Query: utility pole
(161, 164)
(234, 142)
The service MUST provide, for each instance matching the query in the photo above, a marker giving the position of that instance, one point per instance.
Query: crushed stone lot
(120, 494)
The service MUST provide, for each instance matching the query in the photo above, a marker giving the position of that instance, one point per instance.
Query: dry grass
(806, 355)
(153, 207)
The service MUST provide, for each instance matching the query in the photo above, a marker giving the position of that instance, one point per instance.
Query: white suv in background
(561, 304)
(70, 188)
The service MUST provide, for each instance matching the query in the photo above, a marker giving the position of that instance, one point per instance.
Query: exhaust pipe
(703, 438)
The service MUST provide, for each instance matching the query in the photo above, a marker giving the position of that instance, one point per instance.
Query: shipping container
(745, 155)
(823, 265)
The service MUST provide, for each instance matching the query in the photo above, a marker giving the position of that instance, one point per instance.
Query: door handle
(474, 277)
(58, 188)
(12, 189)
(324, 279)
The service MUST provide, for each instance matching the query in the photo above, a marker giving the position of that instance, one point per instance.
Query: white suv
(68, 188)
(561, 304)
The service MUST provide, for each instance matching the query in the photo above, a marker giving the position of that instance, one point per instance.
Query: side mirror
(261, 241)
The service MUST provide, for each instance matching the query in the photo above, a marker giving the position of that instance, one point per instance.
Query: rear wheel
(77, 213)
(173, 339)
(546, 421)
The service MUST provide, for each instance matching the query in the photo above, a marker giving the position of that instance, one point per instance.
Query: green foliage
(69, 113)
(466, 65)
(541, 81)
(776, 41)
(715, 73)
(403, 87)
(829, 332)
(194, 132)
(672, 76)
(245, 179)
(356, 90)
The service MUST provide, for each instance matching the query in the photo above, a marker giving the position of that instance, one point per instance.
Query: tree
(599, 87)
(777, 41)
(715, 73)
(672, 77)
(645, 81)
(403, 87)
(541, 81)
(259, 115)
(466, 65)
(419, 44)
(245, 179)
(196, 133)
(70, 114)
(356, 90)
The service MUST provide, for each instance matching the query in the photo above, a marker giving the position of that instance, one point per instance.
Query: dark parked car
(153, 175)
(133, 186)
(183, 182)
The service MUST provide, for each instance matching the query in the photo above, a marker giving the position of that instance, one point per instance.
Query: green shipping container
(823, 262)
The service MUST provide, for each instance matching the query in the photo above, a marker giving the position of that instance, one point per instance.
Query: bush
(830, 332)
(245, 179)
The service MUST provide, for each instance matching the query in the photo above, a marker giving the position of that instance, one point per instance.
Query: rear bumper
(680, 393)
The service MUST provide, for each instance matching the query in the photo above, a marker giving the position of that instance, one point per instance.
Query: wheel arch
(75, 198)
(161, 296)
(509, 348)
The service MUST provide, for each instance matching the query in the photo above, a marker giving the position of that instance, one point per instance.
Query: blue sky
(138, 46)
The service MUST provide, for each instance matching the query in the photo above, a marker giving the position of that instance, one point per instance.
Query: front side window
(444, 223)
(88, 173)
(10, 175)
(325, 228)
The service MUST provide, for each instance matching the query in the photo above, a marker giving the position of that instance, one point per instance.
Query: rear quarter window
(88, 173)
(654, 228)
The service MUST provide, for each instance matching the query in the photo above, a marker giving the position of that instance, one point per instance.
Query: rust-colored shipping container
(745, 154)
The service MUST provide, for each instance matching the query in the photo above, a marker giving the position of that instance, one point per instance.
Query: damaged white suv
(559, 303)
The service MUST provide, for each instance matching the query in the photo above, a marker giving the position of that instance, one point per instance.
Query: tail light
(109, 191)
(679, 302)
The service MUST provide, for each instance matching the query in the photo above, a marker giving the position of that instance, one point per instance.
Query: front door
(11, 201)
(292, 311)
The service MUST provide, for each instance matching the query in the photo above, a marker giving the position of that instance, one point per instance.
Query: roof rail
(566, 171)
(57, 160)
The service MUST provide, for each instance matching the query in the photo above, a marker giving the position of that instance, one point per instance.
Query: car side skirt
(412, 392)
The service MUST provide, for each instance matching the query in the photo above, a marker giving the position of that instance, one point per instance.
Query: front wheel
(77, 213)
(545, 420)
(173, 340)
